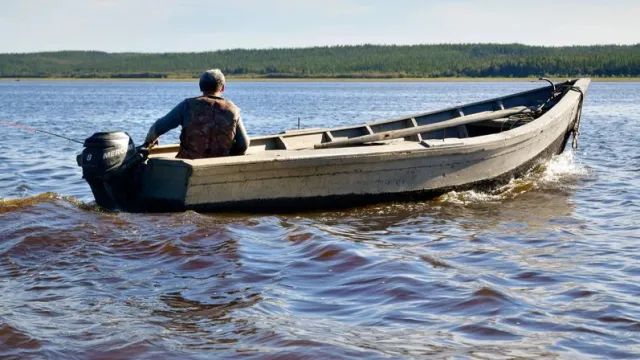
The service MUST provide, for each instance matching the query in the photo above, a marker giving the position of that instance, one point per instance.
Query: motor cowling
(107, 154)
(110, 163)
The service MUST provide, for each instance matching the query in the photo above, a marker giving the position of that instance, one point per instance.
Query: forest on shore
(361, 61)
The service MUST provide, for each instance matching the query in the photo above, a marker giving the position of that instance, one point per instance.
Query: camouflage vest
(210, 129)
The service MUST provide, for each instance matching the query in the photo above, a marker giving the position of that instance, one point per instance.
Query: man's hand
(150, 145)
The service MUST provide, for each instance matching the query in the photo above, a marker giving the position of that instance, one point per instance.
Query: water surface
(547, 266)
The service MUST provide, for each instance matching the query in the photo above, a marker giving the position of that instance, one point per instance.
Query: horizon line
(319, 46)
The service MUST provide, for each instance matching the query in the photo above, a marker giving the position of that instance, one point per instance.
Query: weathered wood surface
(396, 134)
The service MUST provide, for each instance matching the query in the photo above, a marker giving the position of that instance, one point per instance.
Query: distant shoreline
(367, 62)
(328, 79)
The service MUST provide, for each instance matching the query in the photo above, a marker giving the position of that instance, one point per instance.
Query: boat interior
(539, 100)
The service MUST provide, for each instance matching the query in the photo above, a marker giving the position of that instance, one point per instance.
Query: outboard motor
(111, 165)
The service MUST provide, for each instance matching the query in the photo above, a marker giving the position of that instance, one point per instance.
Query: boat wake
(11, 205)
(557, 173)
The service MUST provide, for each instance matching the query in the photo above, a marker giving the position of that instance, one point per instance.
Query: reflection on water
(546, 266)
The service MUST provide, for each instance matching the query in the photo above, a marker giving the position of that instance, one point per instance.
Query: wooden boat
(477, 145)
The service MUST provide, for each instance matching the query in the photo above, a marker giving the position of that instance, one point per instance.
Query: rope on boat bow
(576, 124)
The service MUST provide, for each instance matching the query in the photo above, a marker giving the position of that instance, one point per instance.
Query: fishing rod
(32, 129)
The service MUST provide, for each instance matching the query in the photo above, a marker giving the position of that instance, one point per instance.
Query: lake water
(547, 266)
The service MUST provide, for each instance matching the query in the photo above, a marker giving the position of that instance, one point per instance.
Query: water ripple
(543, 267)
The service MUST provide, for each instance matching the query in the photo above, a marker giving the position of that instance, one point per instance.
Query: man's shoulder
(232, 105)
(228, 105)
(211, 99)
(224, 104)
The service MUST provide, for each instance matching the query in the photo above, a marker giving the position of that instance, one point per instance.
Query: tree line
(361, 61)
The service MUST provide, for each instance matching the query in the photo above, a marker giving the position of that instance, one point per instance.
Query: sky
(198, 25)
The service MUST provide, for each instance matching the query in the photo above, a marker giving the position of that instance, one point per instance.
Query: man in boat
(211, 125)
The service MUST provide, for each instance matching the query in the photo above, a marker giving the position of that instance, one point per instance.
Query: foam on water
(563, 166)
(555, 173)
